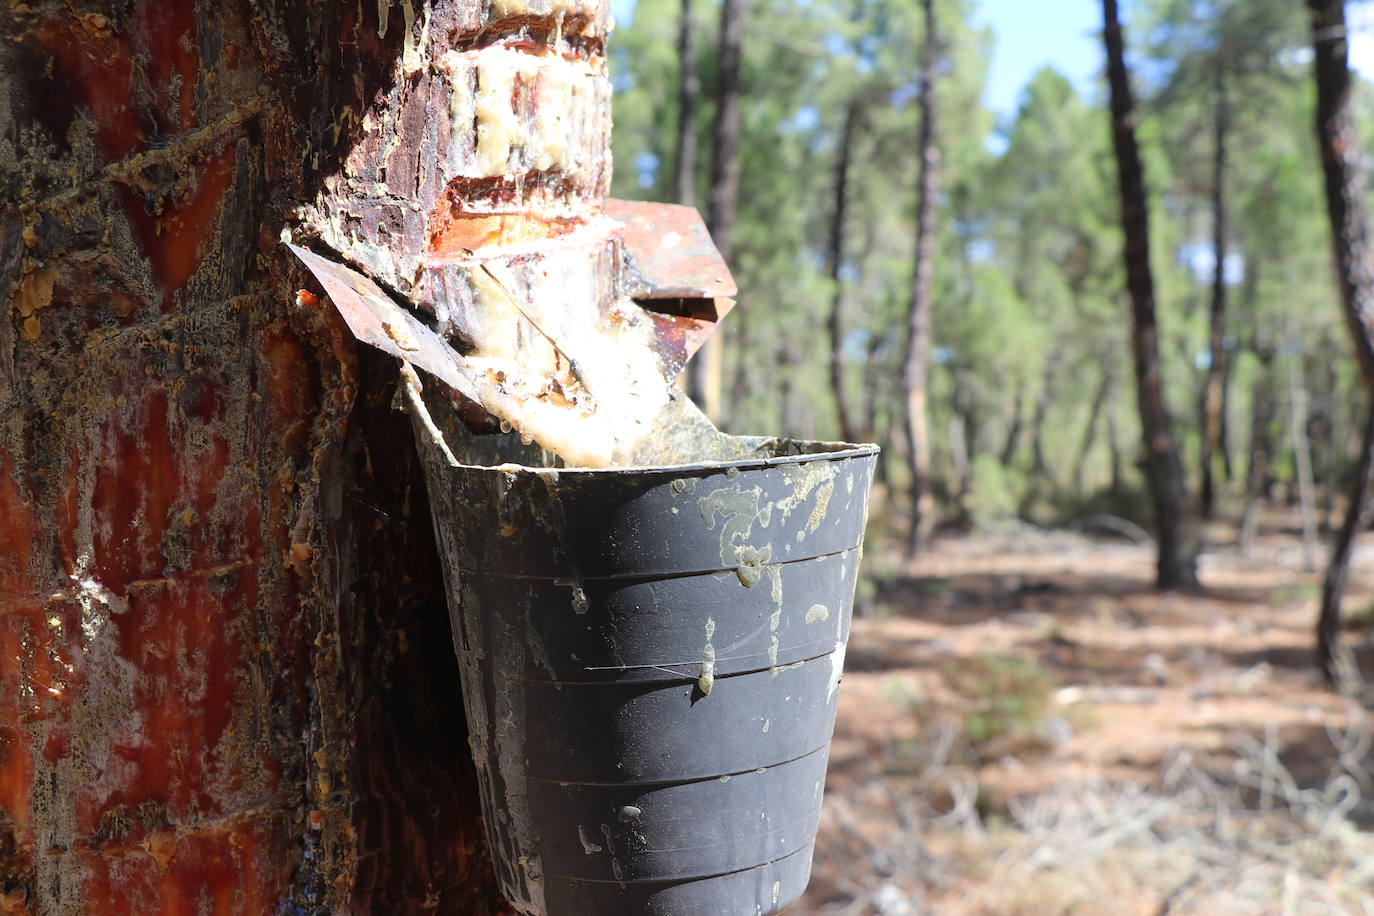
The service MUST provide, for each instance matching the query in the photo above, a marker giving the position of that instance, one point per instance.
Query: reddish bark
(226, 680)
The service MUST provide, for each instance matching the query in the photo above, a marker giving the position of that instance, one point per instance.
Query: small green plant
(993, 492)
(1360, 618)
(1004, 698)
(1294, 593)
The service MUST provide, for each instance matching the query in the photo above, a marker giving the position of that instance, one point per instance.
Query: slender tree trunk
(872, 379)
(1213, 397)
(688, 86)
(227, 679)
(1013, 439)
(1327, 455)
(704, 372)
(834, 258)
(721, 200)
(922, 290)
(1359, 515)
(1043, 402)
(1340, 152)
(1114, 451)
(958, 454)
(1175, 528)
(1104, 393)
(1257, 472)
(789, 362)
(1302, 459)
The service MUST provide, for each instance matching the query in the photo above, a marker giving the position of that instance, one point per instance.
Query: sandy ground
(1010, 698)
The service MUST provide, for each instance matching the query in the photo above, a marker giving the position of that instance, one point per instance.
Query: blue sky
(1030, 34)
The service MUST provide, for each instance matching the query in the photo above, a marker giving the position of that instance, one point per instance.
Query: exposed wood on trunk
(916, 363)
(1213, 394)
(834, 258)
(235, 687)
(1345, 207)
(723, 194)
(1175, 529)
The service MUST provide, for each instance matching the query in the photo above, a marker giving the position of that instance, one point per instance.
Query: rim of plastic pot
(802, 450)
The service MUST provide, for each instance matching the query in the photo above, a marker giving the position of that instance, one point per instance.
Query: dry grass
(1144, 755)
(1250, 841)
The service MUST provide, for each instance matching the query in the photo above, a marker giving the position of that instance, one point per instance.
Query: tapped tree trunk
(722, 196)
(1175, 529)
(834, 265)
(227, 678)
(1213, 395)
(916, 364)
(1340, 151)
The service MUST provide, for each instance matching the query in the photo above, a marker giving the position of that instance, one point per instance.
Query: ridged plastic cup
(650, 660)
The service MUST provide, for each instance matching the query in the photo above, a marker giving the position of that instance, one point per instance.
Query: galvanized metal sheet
(669, 253)
(377, 321)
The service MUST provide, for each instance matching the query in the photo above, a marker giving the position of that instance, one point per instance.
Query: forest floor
(1027, 727)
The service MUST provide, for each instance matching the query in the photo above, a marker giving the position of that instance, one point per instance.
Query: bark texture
(1175, 529)
(916, 364)
(226, 677)
(1340, 152)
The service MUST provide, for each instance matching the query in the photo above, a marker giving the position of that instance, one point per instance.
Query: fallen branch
(1104, 522)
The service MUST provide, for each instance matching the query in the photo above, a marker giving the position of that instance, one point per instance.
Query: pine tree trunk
(1213, 396)
(1340, 152)
(1359, 515)
(1044, 400)
(834, 263)
(1103, 396)
(1175, 528)
(1012, 443)
(722, 197)
(228, 682)
(1327, 454)
(1302, 459)
(1257, 473)
(916, 364)
(688, 86)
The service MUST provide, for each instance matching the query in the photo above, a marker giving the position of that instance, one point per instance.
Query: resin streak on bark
(225, 678)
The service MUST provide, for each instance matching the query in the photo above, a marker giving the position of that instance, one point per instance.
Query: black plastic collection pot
(650, 659)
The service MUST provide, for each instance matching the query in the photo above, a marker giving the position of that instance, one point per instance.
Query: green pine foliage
(1032, 393)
